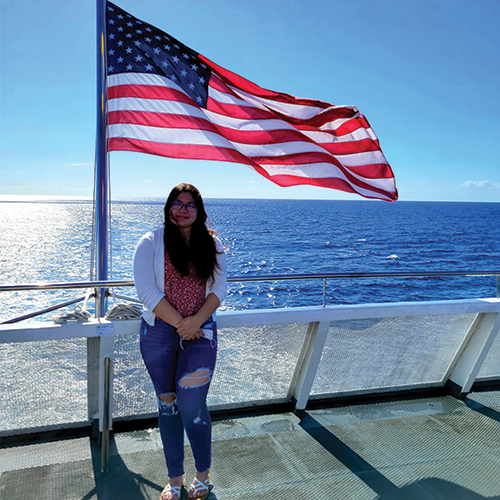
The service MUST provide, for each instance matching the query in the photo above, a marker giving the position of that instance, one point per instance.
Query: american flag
(166, 99)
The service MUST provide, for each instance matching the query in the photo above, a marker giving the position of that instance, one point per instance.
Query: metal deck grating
(433, 448)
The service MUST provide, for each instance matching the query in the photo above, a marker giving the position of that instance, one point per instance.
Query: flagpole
(100, 353)
(101, 178)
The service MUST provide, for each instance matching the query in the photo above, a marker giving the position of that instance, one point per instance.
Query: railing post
(99, 349)
(308, 362)
(469, 358)
(106, 414)
(93, 358)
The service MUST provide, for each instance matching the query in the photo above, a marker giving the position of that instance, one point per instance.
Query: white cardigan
(149, 273)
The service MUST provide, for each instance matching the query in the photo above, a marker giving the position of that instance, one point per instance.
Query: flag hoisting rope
(168, 100)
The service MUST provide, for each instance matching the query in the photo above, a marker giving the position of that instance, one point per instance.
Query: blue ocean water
(51, 241)
(283, 237)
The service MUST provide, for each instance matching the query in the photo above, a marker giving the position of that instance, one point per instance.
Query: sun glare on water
(36, 197)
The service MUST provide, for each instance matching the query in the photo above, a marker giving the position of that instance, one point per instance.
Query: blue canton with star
(134, 46)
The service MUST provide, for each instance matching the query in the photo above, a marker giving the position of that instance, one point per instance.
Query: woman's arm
(144, 274)
(145, 280)
(168, 313)
(218, 285)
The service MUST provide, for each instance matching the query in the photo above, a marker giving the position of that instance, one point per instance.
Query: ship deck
(427, 448)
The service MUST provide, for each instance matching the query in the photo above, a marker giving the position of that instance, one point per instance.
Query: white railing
(461, 370)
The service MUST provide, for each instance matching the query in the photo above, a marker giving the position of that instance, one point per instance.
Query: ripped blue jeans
(184, 370)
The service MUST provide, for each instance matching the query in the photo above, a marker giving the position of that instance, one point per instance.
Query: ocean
(50, 241)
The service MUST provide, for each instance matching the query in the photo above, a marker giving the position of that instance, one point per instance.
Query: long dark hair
(201, 251)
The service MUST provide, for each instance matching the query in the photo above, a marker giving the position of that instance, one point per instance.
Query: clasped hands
(189, 328)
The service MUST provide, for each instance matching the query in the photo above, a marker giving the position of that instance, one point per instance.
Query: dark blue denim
(169, 361)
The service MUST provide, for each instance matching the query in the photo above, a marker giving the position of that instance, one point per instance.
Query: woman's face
(182, 217)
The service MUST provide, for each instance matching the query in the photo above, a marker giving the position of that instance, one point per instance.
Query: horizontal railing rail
(102, 286)
(245, 278)
(40, 312)
(65, 286)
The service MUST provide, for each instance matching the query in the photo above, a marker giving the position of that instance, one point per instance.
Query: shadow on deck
(432, 448)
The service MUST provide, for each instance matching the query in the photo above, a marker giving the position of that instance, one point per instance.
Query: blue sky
(425, 73)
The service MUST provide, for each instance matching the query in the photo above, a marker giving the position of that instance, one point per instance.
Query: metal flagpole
(101, 179)
(101, 349)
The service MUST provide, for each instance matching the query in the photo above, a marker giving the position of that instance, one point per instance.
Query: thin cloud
(147, 180)
(481, 185)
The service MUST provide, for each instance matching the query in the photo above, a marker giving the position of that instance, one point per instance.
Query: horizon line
(27, 198)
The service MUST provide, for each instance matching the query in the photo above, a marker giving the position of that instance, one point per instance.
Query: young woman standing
(180, 276)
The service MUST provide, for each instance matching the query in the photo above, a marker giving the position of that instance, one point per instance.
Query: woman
(180, 276)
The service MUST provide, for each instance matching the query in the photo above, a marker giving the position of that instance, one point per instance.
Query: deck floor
(434, 448)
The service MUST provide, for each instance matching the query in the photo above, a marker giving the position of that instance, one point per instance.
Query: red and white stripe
(288, 140)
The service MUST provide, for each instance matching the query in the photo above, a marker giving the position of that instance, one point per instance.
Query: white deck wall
(264, 356)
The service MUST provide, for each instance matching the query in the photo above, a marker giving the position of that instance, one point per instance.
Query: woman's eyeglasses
(190, 207)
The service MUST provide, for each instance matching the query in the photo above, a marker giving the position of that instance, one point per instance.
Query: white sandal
(198, 486)
(173, 490)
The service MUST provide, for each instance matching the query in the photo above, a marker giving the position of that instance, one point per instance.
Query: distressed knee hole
(168, 398)
(167, 405)
(196, 379)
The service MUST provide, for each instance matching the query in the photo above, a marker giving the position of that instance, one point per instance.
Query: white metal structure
(459, 375)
